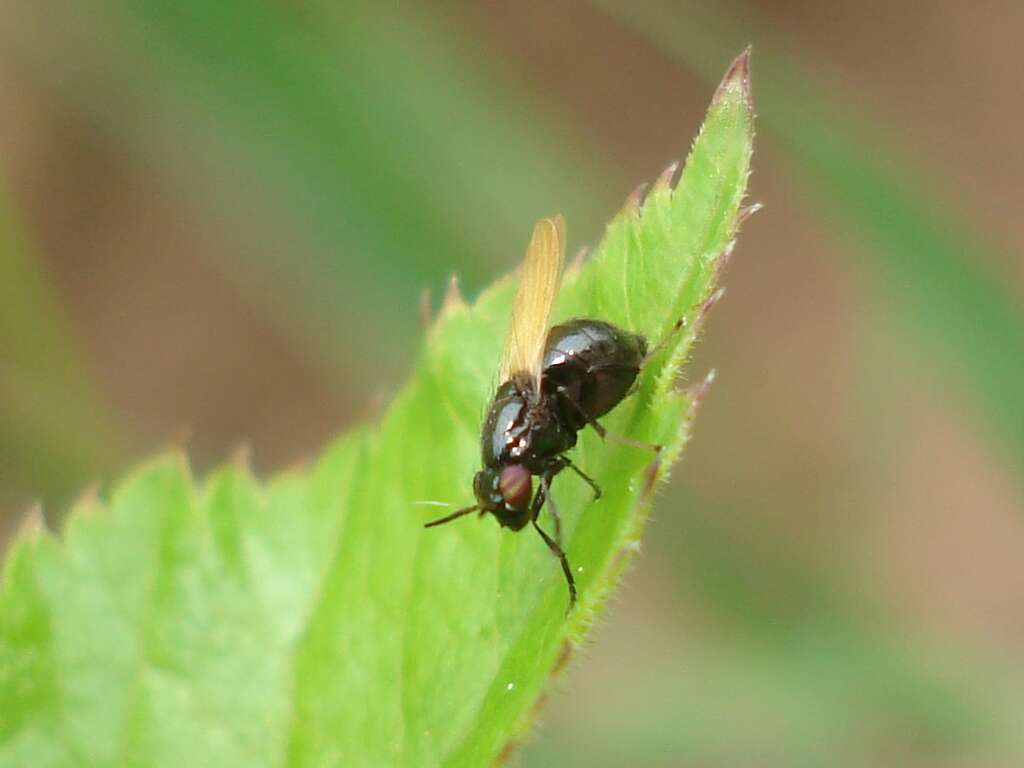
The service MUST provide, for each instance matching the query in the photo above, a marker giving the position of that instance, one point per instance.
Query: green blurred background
(217, 220)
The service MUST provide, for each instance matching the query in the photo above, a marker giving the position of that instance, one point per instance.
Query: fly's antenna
(454, 515)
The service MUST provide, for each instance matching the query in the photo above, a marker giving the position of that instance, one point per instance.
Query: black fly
(555, 381)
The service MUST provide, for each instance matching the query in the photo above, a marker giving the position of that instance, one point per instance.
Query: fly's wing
(531, 314)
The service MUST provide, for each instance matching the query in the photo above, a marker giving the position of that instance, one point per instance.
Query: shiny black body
(589, 367)
(522, 427)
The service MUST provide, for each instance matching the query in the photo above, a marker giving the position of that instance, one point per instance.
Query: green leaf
(314, 620)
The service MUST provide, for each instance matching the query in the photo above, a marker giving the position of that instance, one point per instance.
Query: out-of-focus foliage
(53, 427)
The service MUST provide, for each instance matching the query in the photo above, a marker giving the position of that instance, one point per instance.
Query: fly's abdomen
(589, 367)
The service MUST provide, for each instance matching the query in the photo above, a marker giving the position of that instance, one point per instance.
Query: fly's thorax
(506, 432)
(523, 427)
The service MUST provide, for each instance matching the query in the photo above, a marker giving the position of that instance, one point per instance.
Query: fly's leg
(557, 552)
(603, 433)
(552, 468)
(679, 324)
(676, 327)
(586, 478)
(544, 494)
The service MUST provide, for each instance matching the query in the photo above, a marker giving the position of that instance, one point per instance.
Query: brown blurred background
(216, 220)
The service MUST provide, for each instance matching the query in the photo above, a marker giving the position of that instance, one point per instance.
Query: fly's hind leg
(603, 433)
(585, 477)
(544, 494)
(653, 351)
(680, 324)
(553, 467)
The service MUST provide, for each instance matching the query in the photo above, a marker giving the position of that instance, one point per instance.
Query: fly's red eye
(516, 486)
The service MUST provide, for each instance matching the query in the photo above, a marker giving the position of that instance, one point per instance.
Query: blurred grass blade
(848, 695)
(314, 621)
(364, 129)
(55, 435)
(922, 256)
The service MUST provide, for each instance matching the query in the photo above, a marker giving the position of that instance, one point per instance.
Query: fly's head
(505, 492)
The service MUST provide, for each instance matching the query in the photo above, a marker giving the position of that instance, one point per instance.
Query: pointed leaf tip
(241, 457)
(747, 211)
(577, 261)
(88, 501)
(452, 297)
(637, 198)
(737, 78)
(33, 524)
(669, 177)
(710, 303)
(697, 391)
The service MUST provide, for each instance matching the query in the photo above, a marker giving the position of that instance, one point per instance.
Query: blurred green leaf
(314, 621)
(923, 257)
(55, 434)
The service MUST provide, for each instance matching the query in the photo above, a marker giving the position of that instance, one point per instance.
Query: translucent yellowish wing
(531, 313)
